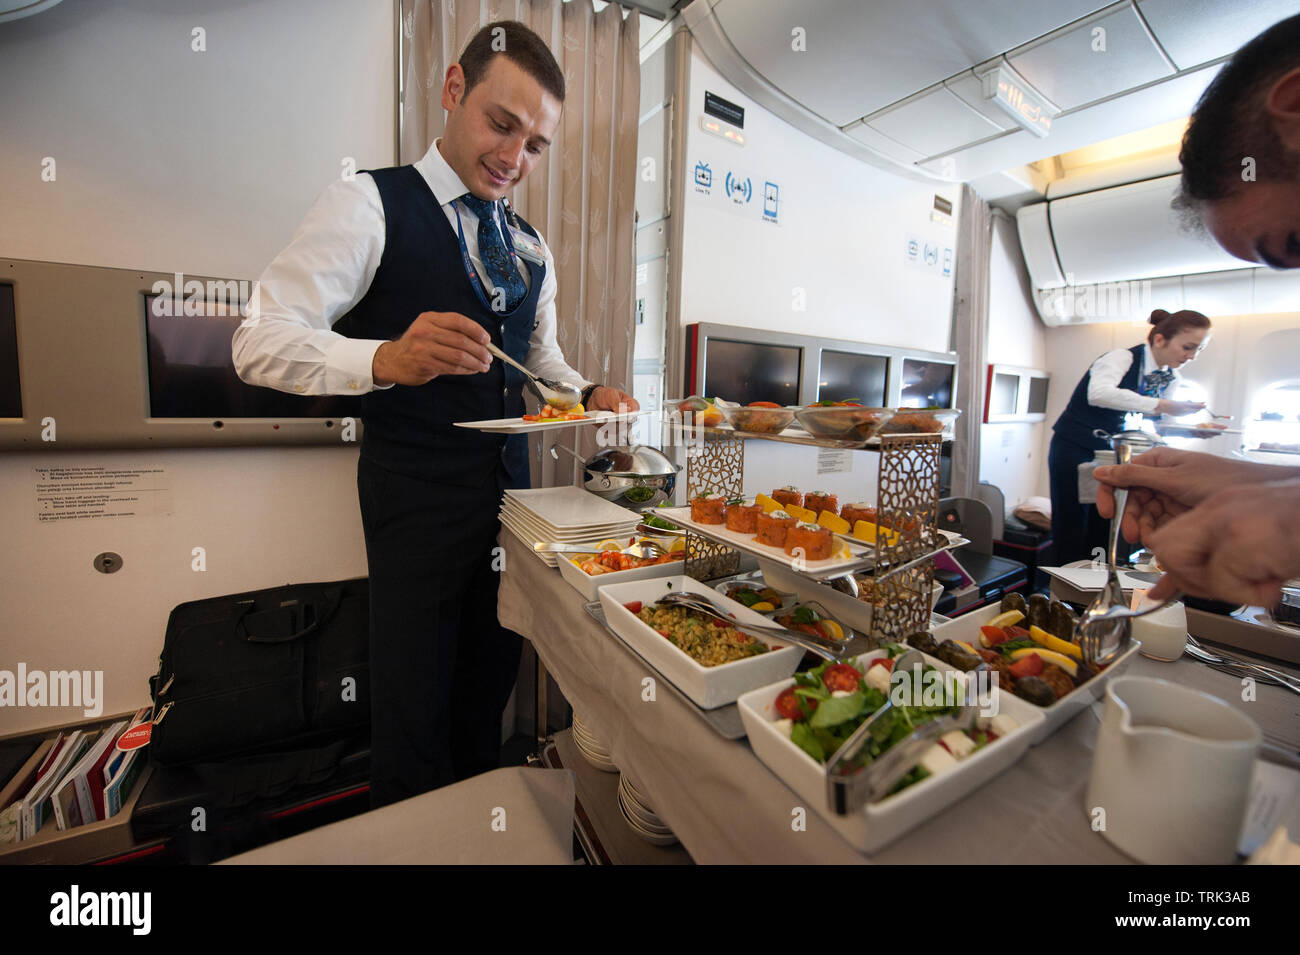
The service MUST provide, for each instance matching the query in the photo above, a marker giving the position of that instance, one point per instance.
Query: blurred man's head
(1241, 152)
(503, 100)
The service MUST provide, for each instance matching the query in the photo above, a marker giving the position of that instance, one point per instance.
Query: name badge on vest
(526, 247)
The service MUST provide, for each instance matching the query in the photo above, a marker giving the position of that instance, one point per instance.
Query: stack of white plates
(567, 515)
(591, 748)
(640, 817)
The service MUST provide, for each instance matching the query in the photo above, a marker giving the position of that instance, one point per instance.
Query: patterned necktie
(501, 269)
(1154, 384)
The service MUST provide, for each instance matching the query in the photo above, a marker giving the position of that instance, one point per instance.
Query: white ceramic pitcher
(1171, 774)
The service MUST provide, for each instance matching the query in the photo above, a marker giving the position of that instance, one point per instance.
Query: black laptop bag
(276, 679)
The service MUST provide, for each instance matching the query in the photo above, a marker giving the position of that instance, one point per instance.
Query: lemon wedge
(609, 544)
(866, 531)
(762, 605)
(1048, 656)
(834, 629)
(837, 525)
(1008, 619)
(677, 546)
(1063, 647)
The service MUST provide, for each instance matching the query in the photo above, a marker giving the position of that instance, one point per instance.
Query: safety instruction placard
(97, 492)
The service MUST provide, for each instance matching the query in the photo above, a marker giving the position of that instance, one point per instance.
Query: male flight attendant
(391, 288)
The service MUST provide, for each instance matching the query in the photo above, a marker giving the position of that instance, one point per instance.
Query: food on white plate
(788, 495)
(742, 517)
(852, 513)
(708, 508)
(818, 501)
(1034, 663)
(814, 541)
(807, 620)
(708, 641)
(773, 528)
(547, 413)
(612, 561)
(824, 706)
(760, 599)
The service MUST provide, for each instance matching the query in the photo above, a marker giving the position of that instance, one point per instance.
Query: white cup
(1163, 634)
(1172, 771)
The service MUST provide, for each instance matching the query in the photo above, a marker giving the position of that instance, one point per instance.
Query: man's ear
(453, 87)
(1283, 105)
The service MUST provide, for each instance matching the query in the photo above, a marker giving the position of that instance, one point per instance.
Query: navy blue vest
(1081, 417)
(410, 429)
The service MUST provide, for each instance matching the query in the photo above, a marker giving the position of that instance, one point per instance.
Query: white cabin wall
(174, 160)
(834, 267)
(1012, 456)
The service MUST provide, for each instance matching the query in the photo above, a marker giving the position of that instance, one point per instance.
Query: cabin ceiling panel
(861, 57)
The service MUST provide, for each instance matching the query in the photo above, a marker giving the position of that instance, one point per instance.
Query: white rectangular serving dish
(880, 823)
(847, 610)
(967, 628)
(588, 585)
(708, 687)
(830, 567)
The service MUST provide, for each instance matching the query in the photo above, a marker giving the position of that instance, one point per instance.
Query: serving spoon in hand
(560, 395)
(1104, 630)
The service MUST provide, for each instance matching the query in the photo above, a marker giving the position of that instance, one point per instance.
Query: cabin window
(1273, 417)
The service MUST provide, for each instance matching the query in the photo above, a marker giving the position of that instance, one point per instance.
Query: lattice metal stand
(908, 501)
(715, 463)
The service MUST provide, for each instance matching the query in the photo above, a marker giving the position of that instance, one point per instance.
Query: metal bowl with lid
(639, 476)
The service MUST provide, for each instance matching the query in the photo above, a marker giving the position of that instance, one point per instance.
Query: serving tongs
(849, 785)
(833, 650)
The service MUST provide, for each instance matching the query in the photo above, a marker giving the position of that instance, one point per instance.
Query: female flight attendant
(1122, 381)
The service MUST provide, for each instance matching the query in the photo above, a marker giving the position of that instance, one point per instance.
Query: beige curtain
(581, 196)
(970, 327)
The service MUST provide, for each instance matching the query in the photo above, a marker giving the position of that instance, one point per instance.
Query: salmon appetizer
(818, 501)
(814, 540)
(788, 495)
(708, 508)
(772, 528)
(858, 512)
(743, 518)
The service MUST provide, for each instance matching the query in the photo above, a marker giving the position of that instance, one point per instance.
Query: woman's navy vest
(410, 429)
(1081, 417)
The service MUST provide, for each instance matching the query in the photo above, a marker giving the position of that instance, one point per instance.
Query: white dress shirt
(286, 342)
(1109, 370)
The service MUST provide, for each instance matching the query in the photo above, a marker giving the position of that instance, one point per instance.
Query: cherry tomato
(994, 635)
(1017, 633)
(792, 707)
(886, 662)
(841, 676)
(634, 606)
(1030, 665)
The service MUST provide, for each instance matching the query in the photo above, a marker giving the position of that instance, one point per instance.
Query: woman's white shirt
(1109, 370)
